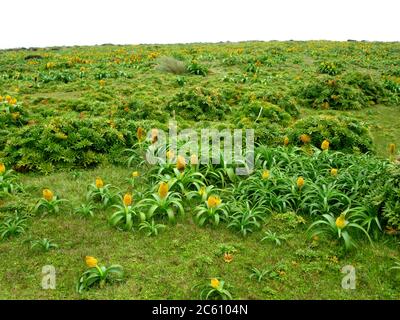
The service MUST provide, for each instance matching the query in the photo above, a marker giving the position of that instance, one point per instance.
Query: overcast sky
(40, 23)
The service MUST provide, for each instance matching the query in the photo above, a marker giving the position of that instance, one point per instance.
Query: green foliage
(330, 68)
(329, 225)
(196, 68)
(65, 142)
(210, 291)
(43, 244)
(198, 104)
(99, 275)
(13, 226)
(273, 237)
(86, 209)
(343, 133)
(126, 216)
(151, 228)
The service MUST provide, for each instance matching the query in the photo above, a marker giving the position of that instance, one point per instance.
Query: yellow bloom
(8, 98)
(180, 163)
(127, 199)
(334, 172)
(2, 168)
(194, 160)
(135, 174)
(228, 257)
(163, 189)
(392, 148)
(13, 101)
(91, 262)
(213, 201)
(265, 174)
(300, 182)
(341, 221)
(99, 183)
(285, 141)
(139, 133)
(154, 135)
(325, 145)
(102, 82)
(170, 154)
(47, 194)
(202, 190)
(305, 138)
(214, 283)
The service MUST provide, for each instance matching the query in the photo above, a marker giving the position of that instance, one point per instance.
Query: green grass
(169, 265)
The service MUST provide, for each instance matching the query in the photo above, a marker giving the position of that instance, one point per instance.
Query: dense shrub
(353, 91)
(64, 142)
(198, 104)
(343, 133)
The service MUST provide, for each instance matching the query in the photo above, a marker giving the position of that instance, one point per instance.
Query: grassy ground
(183, 255)
(169, 265)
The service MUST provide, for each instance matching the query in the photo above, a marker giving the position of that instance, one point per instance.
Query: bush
(343, 133)
(64, 142)
(171, 65)
(352, 92)
(198, 104)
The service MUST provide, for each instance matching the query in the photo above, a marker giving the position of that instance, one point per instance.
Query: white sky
(39, 23)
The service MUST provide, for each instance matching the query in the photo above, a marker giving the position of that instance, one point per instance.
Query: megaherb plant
(210, 211)
(100, 193)
(98, 275)
(245, 219)
(13, 226)
(127, 214)
(214, 289)
(7, 180)
(151, 228)
(341, 228)
(164, 203)
(86, 209)
(49, 203)
(43, 244)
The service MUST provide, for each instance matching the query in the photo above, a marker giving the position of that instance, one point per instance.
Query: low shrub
(343, 133)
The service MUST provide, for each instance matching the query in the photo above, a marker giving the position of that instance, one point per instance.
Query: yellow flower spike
(127, 199)
(2, 168)
(325, 145)
(139, 133)
(163, 189)
(214, 283)
(305, 138)
(91, 262)
(47, 194)
(135, 174)
(285, 141)
(13, 101)
(154, 136)
(202, 190)
(180, 163)
(194, 160)
(334, 172)
(341, 221)
(213, 201)
(300, 182)
(392, 148)
(170, 154)
(265, 174)
(228, 257)
(8, 98)
(99, 183)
